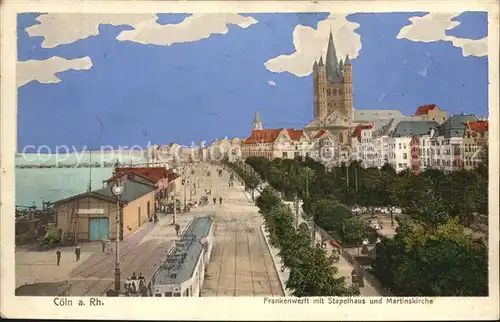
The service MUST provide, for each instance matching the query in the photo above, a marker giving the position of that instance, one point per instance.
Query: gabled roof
(295, 135)
(424, 109)
(263, 136)
(157, 173)
(414, 128)
(477, 126)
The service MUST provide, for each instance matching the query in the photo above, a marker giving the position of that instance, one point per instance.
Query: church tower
(332, 85)
(257, 122)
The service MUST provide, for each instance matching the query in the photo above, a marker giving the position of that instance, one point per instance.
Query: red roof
(263, 136)
(319, 134)
(172, 176)
(295, 135)
(478, 126)
(359, 128)
(121, 174)
(424, 109)
(156, 173)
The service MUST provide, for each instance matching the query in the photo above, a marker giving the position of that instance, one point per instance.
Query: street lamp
(117, 190)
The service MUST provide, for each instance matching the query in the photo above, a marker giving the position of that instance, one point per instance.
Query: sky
(134, 79)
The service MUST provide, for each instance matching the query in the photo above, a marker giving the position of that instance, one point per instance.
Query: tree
(443, 267)
(252, 182)
(443, 262)
(315, 276)
(267, 200)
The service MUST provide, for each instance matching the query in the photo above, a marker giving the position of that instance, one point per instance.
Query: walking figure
(215, 200)
(220, 201)
(103, 243)
(134, 277)
(58, 255)
(78, 251)
(177, 228)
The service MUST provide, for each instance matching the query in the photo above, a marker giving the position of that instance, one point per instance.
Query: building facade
(92, 215)
(475, 143)
(431, 113)
(447, 143)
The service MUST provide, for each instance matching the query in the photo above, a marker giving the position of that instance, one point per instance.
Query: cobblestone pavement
(241, 264)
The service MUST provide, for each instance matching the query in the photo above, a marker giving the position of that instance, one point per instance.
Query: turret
(348, 98)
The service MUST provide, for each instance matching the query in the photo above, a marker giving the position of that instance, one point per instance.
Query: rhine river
(35, 185)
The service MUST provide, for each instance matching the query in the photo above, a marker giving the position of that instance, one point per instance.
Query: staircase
(72, 236)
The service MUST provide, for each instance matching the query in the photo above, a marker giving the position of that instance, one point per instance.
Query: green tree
(267, 200)
(252, 183)
(315, 276)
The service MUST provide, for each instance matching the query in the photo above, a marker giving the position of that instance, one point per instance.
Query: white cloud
(193, 28)
(433, 26)
(63, 28)
(66, 28)
(271, 83)
(311, 43)
(45, 71)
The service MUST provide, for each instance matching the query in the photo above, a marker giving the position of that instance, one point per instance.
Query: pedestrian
(141, 277)
(103, 243)
(220, 200)
(58, 255)
(134, 277)
(214, 200)
(78, 251)
(177, 229)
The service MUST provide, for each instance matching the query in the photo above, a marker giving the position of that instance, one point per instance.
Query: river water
(35, 185)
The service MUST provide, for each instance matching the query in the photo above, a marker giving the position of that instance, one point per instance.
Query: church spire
(257, 122)
(332, 68)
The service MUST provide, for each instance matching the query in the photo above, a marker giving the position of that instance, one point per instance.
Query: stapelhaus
(91, 215)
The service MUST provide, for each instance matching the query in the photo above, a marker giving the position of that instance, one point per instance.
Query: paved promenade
(241, 263)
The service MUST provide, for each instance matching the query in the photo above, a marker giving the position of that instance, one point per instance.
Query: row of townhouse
(421, 144)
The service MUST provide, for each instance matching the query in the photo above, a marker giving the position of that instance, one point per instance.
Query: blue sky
(135, 93)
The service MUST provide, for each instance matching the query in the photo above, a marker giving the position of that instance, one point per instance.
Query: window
(296, 154)
(177, 294)
(400, 146)
(168, 294)
(285, 155)
(157, 295)
(405, 156)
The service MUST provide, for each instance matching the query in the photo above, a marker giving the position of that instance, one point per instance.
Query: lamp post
(117, 190)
